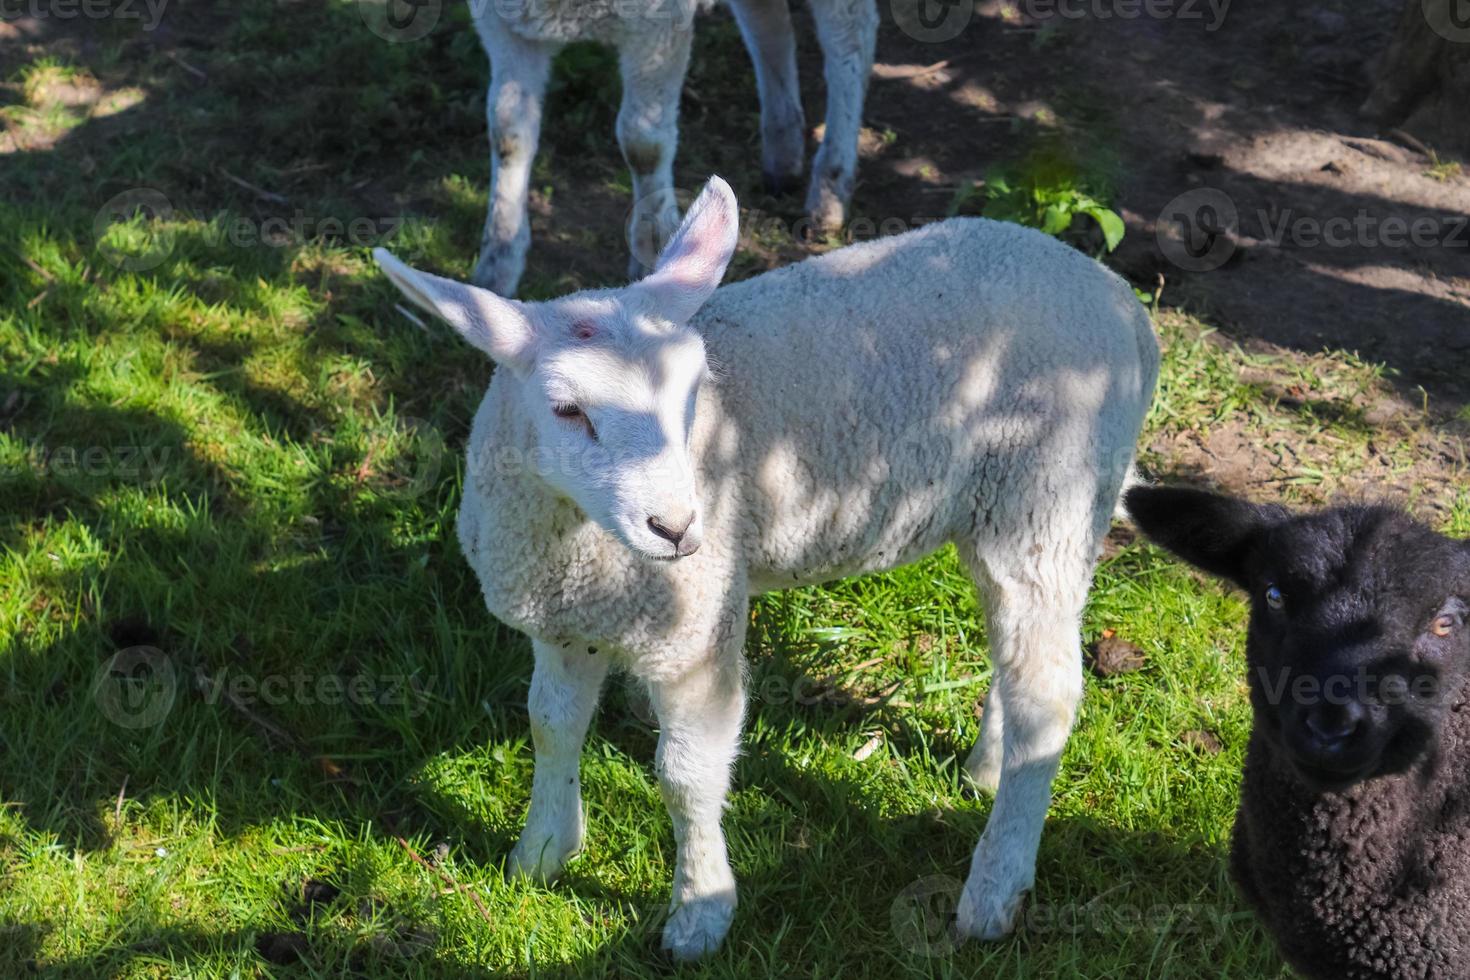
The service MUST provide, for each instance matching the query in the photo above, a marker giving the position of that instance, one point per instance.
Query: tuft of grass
(1442, 170)
(1051, 188)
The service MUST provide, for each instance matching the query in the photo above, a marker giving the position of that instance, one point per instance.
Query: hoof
(826, 200)
(827, 211)
(539, 865)
(989, 912)
(697, 927)
(498, 271)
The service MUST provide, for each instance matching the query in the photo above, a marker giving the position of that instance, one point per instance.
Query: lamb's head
(1359, 639)
(609, 378)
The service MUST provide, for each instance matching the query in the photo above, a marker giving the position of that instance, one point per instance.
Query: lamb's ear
(1210, 531)
(691, 265)
(499, 327)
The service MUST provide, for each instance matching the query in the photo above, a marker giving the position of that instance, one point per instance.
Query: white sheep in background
(971, 382)
(652, 38)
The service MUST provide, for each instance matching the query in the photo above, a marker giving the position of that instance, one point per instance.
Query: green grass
(239, 455)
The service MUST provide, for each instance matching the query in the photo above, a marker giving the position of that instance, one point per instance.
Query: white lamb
(647, 458)
(652, 38)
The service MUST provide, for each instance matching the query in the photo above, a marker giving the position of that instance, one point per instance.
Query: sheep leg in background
(1033, 616)
(518, 74)
(766, 27)
(564, 690)
(699, 715)
(848, 32)
(985, 760)
(653, 65)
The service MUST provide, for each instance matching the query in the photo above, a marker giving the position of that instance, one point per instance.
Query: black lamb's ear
(1210, 531)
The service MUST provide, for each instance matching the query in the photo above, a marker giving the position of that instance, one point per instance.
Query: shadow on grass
(1106, 901)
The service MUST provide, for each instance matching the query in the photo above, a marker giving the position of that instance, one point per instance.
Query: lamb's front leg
(518, 73)
(653, 64)
(699, 716)
(564, 689)
(848, 32)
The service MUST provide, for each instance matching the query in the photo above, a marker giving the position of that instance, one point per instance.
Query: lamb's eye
(1274, 598)
(1442, 625)
(574, 413)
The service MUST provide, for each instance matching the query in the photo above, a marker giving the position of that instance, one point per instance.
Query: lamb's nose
(1330, 725)
(673, 533)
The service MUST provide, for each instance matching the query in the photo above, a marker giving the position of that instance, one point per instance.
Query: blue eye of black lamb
(1274, 598)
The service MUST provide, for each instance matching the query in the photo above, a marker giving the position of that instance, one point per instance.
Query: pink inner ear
(584, 330)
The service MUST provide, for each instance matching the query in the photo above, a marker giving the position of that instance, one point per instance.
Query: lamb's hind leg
(699, 715)
(518, 74)
(984, 763)
(564, 690)
(1033, 616)
(848, 32)
(653, 64)
(766, 27)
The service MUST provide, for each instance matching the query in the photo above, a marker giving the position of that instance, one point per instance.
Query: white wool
(972, 382)
(608, 21)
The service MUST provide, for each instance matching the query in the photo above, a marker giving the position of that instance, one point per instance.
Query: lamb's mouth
(1334, 775)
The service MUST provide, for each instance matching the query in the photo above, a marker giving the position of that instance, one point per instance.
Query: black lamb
(1352, 841)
